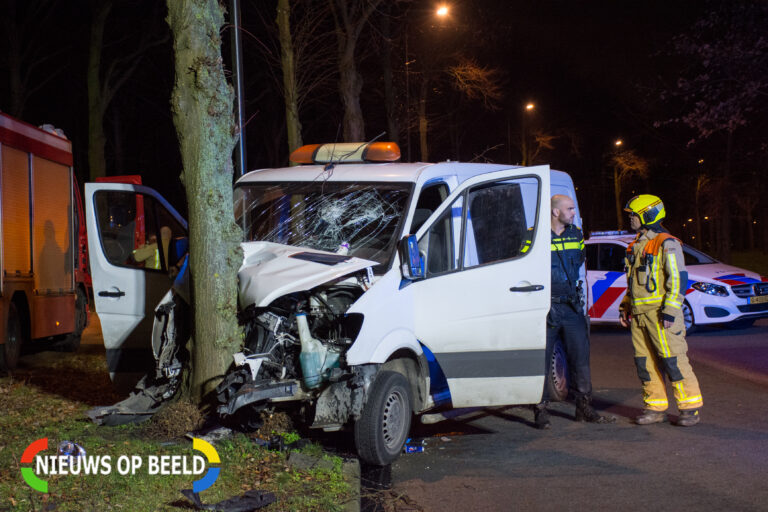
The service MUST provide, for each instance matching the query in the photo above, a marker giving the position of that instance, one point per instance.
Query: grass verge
(47, 397)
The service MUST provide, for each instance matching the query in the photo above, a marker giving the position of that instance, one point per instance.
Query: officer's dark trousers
(571, 327)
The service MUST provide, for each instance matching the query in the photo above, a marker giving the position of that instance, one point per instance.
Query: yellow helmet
(649, 208)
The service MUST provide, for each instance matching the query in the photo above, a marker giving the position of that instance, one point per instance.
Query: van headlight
(711, 289)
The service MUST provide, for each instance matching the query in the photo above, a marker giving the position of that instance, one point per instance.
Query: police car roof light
(608, 233)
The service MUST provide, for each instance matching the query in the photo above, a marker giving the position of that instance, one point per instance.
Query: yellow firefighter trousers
(658, 349)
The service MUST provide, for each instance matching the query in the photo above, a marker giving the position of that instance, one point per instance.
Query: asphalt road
(494, 459)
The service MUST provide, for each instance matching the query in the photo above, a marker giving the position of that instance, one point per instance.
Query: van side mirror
(412, 264)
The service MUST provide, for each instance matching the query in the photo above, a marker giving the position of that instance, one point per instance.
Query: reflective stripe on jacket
(655, 282)
(567, 257)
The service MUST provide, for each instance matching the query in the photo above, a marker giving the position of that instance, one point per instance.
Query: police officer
(566, 318)
(656, 284)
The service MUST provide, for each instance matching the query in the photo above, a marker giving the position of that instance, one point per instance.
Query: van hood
(272, 270)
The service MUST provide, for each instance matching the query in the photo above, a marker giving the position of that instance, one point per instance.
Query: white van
(370, 290)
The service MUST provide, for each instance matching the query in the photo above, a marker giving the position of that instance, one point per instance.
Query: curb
(350, 471)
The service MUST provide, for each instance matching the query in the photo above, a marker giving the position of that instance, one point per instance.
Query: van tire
(11, 348)
(71, 341)
(556, 383)
(383, 427)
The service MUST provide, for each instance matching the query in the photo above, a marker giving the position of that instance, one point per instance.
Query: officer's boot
(688, 418)
(585, 411)
(541, 416)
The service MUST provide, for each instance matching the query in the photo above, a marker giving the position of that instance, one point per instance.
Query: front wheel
(690, 325)
(383, 427)
(556, 384)
(11, 349)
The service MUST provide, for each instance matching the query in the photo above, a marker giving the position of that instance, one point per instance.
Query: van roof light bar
(346, 152)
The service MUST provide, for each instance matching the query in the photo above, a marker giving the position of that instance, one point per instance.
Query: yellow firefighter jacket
(655, 281)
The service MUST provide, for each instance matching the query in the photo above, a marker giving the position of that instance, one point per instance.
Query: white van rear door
(130, 274)
(482, 308)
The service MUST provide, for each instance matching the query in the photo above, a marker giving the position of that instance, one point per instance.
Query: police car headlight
(711, 289)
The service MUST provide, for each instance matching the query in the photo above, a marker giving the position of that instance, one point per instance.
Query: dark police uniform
(566, 317)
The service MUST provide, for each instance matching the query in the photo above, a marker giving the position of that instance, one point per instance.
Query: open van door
(482, 307)
(134, 237)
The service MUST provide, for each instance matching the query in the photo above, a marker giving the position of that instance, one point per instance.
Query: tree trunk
(617, 199)
(389, 89)
(290, 91)
(724, 238)
(202, 103)
(423, 123)
(350, 85)
(96, 139)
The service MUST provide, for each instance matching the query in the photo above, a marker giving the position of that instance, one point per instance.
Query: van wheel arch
(415, 370)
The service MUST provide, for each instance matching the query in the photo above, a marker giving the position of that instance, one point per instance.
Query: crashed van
(370, 290)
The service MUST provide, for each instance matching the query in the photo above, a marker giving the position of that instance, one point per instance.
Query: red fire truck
(43, 245)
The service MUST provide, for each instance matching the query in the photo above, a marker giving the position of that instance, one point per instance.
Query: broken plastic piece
(251, 500)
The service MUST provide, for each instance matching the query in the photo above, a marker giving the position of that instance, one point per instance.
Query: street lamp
(529, 107)
(618, 142)
(442, 11)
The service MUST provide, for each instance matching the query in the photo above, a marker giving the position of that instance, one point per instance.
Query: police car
(717, 293)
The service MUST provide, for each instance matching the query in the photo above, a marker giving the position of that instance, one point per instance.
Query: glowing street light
(442, 11)
(618, 142)
(530, 106)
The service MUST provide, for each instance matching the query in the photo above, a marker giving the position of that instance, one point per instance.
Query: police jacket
(655, 281)
(567, 258)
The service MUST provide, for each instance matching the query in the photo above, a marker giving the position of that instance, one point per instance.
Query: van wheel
(11, 349)
(383, 427)
(556, 386)
(71, 342)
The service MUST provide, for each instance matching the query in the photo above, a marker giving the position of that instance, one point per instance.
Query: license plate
(759, 299)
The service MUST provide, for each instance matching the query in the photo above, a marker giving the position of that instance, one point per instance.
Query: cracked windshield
(359, 219)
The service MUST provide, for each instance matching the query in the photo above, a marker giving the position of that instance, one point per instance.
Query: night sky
(596, 71)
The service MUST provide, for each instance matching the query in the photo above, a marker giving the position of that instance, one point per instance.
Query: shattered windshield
(361, 218)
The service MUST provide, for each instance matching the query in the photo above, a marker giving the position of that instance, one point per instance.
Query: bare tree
(350, 17)
(202, 104)
(626, 163)
(104, 81)
(26, 52)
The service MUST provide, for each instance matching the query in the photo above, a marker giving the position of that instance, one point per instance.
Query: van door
(481, 310)
(133, 240)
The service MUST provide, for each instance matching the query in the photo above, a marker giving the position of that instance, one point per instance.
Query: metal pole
(237, 78)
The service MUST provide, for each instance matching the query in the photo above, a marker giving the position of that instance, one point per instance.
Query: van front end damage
(295, 352)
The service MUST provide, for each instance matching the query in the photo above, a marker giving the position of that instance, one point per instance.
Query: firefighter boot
(650, 416)
(541, 416)
(585, 411)
(688, 418)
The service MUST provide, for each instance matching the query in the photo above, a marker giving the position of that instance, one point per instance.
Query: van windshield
(326, 215)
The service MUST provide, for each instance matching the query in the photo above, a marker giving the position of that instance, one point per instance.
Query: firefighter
(656, 284)
(566, 318)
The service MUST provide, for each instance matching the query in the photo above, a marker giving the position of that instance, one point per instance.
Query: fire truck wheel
(9, 352)
(71, 342)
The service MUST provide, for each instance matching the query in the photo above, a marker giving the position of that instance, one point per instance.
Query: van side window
(431, 197)
(440, 243)
(592, 260)
(501, 220)
(137, 232)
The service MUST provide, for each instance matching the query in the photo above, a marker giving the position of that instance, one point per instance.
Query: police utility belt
(566, 299)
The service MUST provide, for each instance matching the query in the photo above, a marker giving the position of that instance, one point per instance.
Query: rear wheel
(383, 427)
(71, 341)
(556, 386)
(690, 325)
(11, 349)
